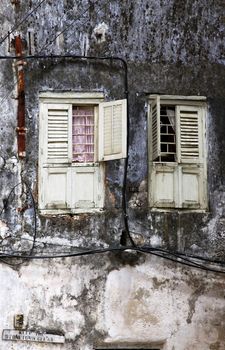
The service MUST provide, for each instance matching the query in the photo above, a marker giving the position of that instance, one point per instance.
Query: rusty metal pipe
(21, 130)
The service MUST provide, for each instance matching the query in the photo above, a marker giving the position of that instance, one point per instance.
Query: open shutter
(155, 128)
(58, 133)
(189, 138)
(112, 130)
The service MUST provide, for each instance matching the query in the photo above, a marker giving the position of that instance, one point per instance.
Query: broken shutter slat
(155, 128)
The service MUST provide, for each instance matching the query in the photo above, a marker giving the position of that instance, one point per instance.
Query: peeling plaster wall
(119, 299)
(92, 302)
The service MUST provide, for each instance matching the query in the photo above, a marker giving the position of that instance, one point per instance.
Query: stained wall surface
(119, 299)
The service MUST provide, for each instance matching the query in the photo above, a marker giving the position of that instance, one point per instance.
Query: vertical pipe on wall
(21, 130)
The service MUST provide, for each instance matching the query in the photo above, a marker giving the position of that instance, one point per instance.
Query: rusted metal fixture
(21, 130)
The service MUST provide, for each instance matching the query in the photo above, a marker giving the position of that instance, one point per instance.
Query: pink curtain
(83, 134)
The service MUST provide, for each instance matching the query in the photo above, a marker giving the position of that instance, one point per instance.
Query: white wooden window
(177, 152)
(78, 132)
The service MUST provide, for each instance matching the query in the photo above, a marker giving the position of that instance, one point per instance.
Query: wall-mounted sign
(16, 335)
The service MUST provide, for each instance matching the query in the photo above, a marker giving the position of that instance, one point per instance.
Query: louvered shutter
(58, 133)
(155, 128)
(55, 155)
(189, 134)
(190, 157)
(112, 130)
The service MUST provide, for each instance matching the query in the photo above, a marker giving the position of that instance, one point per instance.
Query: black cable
(181, 258)
(5, 204)
(68, 36)
(124, 198)
(106, 250)
(163, 251)
(67, 27)
(21, 22)
(6, 96)
(10, 32)
(145, 249)
(124, 189)
(35, 217)
(191, 264)
(180, 254)
(185, 261)
(33, 205)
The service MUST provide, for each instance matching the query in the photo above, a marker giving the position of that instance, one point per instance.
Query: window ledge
(47, 212)
(179, 210)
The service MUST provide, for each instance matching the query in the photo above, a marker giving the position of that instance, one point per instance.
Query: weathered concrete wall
(172, 47)
(101, 301)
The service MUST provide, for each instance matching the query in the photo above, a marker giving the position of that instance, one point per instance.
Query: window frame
(72, 99)
(177, 166)
(53, 158)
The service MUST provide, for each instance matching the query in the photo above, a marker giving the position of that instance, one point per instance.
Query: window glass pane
(167, 133)
(83, 134)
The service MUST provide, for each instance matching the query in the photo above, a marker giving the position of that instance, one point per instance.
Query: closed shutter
(86, 187)
(189, 138)
(112, 130)
(155, 128)
(58, 119)
(164, 185)
(54, 188)
(55, 155)
(191, 191)
(190, 157)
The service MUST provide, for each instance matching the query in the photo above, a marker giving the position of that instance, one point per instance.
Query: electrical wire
(67, 27)
(126, 232)
(147, 248)
(10, 32)
(21, 22)
(178, 258)
(152, 251)
(183, 260)
(9, 195)
(33, 205)
(35, 216)
(197, 257)
(162, 253)
(8, 94)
